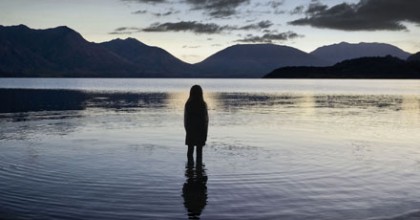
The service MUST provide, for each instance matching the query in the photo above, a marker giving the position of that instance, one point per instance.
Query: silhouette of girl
(196, 122)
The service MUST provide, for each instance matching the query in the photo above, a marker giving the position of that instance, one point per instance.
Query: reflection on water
(176, 100)
(64, 111)
(311, 101)
(25, 100)
(410, 107)
(271, 153)
(57, 108)
(194, 190)
(33, 100)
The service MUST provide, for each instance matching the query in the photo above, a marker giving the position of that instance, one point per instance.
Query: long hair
(196, 96)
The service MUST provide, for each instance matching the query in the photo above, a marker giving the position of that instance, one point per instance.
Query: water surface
(277, 149)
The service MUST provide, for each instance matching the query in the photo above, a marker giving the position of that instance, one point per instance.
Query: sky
(192, 30)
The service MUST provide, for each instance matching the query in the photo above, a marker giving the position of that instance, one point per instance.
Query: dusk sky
(192, 30)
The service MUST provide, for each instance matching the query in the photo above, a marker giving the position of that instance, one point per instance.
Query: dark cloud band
(270, 37)
(369, 15)
(214, 8)
(125, 30)
(204, 28)
(217, 8)
(145, 1)
(200, 28)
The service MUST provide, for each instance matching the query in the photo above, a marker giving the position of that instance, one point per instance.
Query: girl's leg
(190, 153)
(199, 154)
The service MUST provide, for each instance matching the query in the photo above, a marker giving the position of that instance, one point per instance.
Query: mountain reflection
(26, 100)
(359, 101)
(123, 101)
(34, 100)
(239, 100)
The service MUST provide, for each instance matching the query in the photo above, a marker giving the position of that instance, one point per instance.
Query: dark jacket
(196, 122)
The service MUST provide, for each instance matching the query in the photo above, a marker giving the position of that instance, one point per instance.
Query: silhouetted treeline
(362, 68)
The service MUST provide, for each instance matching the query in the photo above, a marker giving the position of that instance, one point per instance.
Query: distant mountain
(361, 68)
(344, 51)
(62, 52)
(414, 61)
(254, 60)
(56, 52)
(153, 60)
(414, 57)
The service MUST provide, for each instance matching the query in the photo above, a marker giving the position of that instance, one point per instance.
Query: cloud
(191, 47)
(214, 8)
(193, 26)
(204, 28)
(269, 37)
(217, 8)
(139, 12)
(125, 30)
(163, 14)
(298, 10)
(259, 25)
(267, 7)
(276, 3)
(316, 7)
(190, 56)
(367, 15)
(146, 1)
(170, 11)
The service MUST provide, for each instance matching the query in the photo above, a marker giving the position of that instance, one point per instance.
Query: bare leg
(190, 153)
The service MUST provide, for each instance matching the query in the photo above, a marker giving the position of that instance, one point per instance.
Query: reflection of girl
(196, 122)
(194, 190)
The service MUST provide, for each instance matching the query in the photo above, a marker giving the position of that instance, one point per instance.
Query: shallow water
(277, 149)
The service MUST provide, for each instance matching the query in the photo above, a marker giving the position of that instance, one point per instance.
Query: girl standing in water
(196, 122)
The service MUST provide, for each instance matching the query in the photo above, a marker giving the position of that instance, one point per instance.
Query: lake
(276, 149)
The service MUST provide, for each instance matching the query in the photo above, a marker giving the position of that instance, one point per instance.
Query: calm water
(277, 149)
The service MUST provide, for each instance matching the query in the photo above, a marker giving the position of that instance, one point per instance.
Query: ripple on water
(269, 156)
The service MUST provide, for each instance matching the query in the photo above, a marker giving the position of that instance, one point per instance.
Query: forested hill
(362, 68)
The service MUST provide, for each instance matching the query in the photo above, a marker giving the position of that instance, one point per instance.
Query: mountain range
(152, 61)
(336, 53)
(252, 60)
(62, 52)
